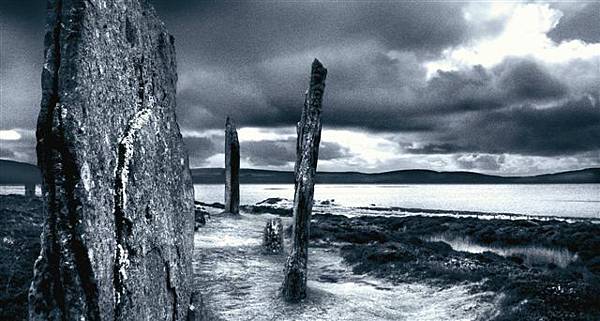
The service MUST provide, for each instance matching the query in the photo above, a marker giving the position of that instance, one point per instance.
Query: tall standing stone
(307, 155)
(118, 237)
(232, 169)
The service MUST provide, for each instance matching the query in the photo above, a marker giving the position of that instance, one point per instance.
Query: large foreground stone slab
(118, 236)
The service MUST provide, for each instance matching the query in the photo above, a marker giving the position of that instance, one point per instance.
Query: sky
(507, 88)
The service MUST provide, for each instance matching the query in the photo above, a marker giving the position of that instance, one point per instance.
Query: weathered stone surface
(232, 169)
(273, 236)
(307, 155)
(118, 237)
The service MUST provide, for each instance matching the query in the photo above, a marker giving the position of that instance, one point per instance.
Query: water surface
(563, 200)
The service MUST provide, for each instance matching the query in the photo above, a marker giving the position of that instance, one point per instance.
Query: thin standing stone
(232, 169)
(307, 155)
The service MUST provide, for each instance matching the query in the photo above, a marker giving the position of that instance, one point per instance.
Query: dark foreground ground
(20, 228)
(395, 248)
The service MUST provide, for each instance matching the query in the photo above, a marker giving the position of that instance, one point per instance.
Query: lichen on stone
(126, 150)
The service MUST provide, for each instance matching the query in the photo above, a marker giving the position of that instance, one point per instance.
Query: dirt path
(240, 283)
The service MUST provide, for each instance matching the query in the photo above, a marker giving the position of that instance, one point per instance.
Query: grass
(532, 255)
(541, 270)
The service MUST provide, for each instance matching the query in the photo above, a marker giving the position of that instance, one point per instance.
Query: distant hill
(412, 176)
(16, 173)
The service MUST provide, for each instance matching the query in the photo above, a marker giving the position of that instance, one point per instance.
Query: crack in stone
(63, 258)
(172, 289)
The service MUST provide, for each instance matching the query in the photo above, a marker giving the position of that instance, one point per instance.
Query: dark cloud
(6, 153)
(283, 152)
(568, 128)
(583, 24)
(269, 153)
(280, 152)
(366, 89)
(251, 60)
(424, 27)
(525, 79)
(480, 162)
(364, 81)
(332, 151)
(441, 148)
(460, 91)
(21, 55)
(478, 89)
(237, 32)
(25, 12)
(201, 148)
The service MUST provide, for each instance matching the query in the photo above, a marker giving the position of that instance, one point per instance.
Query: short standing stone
(199, 218)
(118, 236)
(232, 169)
(273, 236)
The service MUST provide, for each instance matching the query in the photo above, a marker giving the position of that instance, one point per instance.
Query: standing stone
(232, 169)
(273, 236)
(307, 155)
(118, 236)
(199, 218)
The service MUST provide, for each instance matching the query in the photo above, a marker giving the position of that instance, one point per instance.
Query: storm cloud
(201, 148)
(567, 128)
(283, 152)
(581, 23)
(480, 161)
(470, 85)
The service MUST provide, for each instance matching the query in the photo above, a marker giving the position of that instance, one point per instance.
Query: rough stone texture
(307, 155)
(273, 236)
(232, 169)
(198, 310)
(21, 221)
(118, 237)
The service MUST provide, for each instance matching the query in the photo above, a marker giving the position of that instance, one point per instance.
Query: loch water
(554, 200)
